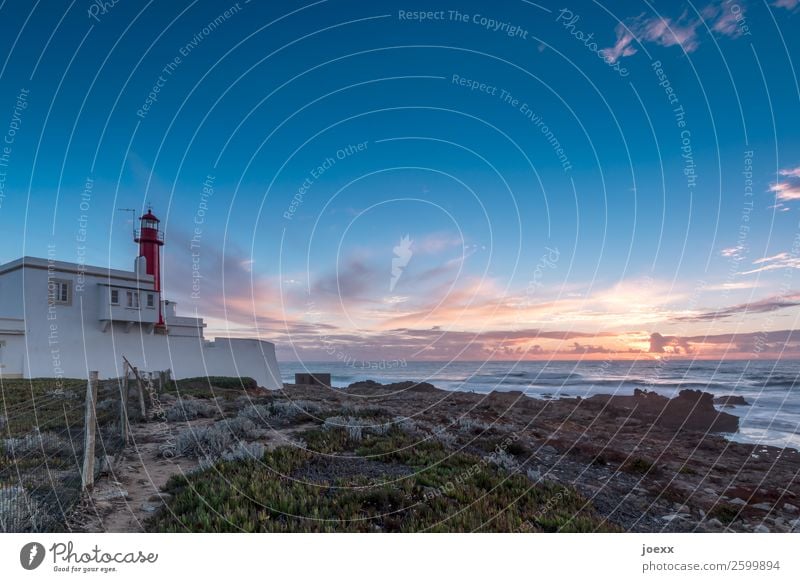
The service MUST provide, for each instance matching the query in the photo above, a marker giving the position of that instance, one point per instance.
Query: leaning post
(90, 422)
(123, 408)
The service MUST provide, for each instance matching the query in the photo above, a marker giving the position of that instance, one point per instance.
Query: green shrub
(186, 409)
(638, 465)
(727, 514)
(212, 387)
(394, 484)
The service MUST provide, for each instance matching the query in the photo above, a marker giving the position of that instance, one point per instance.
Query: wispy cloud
(733, 252)
(788, 189)
(789, 4)
(762, 306)
(775, 262)
(665, 31)
(785, 191)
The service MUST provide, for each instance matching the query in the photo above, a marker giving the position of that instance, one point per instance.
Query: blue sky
(262, 95)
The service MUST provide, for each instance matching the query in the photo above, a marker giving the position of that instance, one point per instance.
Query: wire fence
(45, 464)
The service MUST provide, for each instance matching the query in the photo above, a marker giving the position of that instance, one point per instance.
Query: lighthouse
(114, 313)
(151, 239)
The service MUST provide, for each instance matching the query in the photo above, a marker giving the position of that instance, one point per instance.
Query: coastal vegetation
(384, 481)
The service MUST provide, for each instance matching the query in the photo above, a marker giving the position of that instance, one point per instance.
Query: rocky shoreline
(645, 462)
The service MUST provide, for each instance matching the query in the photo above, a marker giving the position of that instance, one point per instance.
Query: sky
(423, 180)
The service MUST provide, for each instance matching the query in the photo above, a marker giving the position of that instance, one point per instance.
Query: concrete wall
(69, 341)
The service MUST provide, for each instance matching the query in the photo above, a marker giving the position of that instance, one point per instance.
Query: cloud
(660, 343)
(775, 262)
(352, 281)
(762, 306)
(622, 47)
(788, 189)
(788, 4)
(667, 32)
(437, 344)
(723, 19)
(777, 343)
(785, 191)
(733, 252)
(659, 30)
(437, 242)
(578, 348)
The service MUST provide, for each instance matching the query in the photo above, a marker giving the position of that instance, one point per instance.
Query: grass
(45, 403)
(381, 483)
(211, 387)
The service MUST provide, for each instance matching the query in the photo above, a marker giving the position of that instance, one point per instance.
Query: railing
(137, 235)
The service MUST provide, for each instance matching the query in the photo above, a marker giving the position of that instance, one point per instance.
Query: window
(151, 300)
(60, 292)
(115, 297)
(133, 299)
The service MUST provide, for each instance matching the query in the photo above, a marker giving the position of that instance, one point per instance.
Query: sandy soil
(130, 492)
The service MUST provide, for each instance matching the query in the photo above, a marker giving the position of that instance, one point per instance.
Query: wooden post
(136, 375)
(90, 421)
(142, 407)
(123, 409)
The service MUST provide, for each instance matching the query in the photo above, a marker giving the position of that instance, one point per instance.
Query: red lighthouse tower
(151, 239)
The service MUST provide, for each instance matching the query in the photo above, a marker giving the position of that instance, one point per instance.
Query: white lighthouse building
(61, 320)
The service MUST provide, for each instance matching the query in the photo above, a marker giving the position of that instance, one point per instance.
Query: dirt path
(132, 491)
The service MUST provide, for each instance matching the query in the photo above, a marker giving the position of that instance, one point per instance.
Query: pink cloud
(621, 48)
(785, 191)
(667, 32)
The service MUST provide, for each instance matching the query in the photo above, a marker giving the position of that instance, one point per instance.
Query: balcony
(127, 305)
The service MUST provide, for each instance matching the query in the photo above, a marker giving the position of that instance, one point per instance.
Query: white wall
(10, 296)
(69, 341)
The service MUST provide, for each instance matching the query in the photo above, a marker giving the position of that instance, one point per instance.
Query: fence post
(90, 421)
(123, 409)
(142, 407)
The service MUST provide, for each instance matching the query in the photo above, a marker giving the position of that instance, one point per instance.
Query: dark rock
(731, 401)
(694, 410)
(690, 410)
(395, 387)
(365, 384)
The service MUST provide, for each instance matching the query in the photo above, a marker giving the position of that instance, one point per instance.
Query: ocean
(770, 387)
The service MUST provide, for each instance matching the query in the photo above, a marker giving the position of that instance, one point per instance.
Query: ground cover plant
(381, 480)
